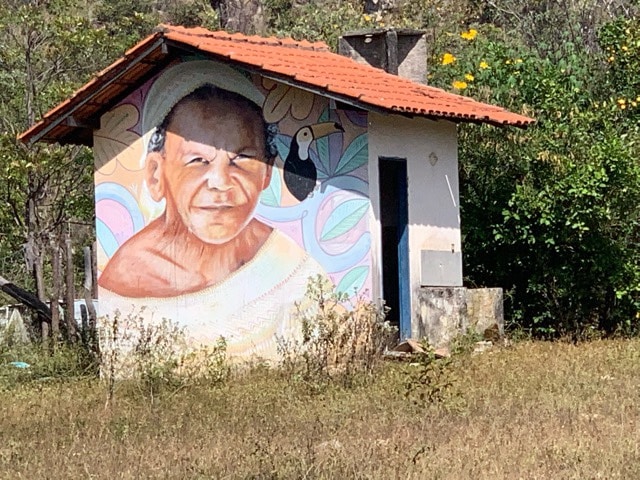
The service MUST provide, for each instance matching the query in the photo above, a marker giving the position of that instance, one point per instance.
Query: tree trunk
(244, 16)
(70, 294)
(88, 288)
(55, 294)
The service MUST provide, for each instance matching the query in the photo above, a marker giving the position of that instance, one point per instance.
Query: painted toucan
(300, 173)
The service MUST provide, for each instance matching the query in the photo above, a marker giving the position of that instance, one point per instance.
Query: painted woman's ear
(153, 175)
(267, 176)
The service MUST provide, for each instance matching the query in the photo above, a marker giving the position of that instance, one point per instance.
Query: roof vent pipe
(401, 52)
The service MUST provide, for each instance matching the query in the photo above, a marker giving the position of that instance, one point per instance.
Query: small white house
(229, 169)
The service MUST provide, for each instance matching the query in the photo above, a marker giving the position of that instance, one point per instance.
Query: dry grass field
(532, 410)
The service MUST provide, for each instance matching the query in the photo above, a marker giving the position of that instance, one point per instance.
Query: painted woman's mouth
(214, 206)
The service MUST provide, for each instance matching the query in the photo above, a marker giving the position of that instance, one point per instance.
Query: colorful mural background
(331, 224)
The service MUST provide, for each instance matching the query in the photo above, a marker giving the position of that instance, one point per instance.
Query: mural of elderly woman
(207, 263)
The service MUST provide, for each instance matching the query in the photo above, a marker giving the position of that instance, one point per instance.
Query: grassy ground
(534, 410)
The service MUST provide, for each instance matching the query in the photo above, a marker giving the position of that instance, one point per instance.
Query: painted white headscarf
(175, 83)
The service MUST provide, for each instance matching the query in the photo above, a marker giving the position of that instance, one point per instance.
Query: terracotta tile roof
(304, 64)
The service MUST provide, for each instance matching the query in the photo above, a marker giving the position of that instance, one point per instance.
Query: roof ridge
(287, 42)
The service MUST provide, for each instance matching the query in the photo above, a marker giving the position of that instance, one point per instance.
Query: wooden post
(55, 294)
(88, 289)
(39, 277)
(94, 269)
(70, 291)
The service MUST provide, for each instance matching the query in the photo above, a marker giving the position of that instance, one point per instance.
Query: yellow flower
(484, 65)
(458, 85)
(469, 35)
(469, 77)
(518, 60)
(447, 58)
(634, 103)
(621, 101)
(611, 59)
(624, 48)
(367, 18)
(508, 62)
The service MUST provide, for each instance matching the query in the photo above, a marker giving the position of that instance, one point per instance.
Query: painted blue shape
(107, 239)
(403, 253)
(118, 193)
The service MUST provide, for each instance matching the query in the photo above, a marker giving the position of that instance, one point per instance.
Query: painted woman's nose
(218, 173)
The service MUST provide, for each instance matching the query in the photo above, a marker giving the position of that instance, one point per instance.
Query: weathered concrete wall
(485, 309)
(445, 312)
(442, 314)
(401, 52)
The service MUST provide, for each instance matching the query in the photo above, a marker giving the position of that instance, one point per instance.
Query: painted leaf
(283, 144)
(322, 144)
(344, 217)
(273, 193)
(353, 281)
(355, 155)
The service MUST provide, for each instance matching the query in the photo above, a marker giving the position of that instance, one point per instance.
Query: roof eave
(94, 87)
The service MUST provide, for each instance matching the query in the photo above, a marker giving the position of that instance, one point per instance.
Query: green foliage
(551, 213)
(44, 364)
(314, 21)
(430, 380)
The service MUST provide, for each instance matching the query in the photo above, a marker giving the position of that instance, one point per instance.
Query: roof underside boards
(307, 65)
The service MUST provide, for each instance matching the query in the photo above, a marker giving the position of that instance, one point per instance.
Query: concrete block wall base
(445, 312)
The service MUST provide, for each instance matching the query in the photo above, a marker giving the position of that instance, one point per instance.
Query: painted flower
(469, 77)
(283, 99)
(484, 65)
(115, 143)
(469, 34)
(459, 85)
(448, 58)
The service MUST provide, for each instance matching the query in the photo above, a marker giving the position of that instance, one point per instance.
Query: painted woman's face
(214, 168)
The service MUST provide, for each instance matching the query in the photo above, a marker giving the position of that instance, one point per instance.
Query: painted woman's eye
(197, 160)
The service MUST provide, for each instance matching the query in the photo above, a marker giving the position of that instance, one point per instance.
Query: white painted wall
(430, 148)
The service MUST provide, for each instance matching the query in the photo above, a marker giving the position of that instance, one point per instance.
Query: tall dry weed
(338, 339)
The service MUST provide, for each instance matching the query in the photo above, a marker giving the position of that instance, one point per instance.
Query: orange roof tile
(304, 64)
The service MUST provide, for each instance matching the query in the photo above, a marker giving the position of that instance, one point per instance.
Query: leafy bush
(550, 213)
(35, 362)
(430, 380)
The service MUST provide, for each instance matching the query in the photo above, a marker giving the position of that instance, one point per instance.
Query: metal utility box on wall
(440, 269)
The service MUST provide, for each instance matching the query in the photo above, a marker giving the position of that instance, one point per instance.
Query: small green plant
(464, 343)
(338, 339)
(430, 380)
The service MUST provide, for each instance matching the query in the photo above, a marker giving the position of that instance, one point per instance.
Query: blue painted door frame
(403, 252)
(394, 210)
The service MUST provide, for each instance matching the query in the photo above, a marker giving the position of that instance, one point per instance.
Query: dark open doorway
(394, 217)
